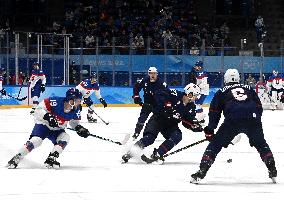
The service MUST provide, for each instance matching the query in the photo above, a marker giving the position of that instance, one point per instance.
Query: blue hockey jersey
(149, 88)
(171, 102)
(236, 101)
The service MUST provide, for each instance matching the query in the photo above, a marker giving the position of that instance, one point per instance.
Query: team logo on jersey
(78, 114)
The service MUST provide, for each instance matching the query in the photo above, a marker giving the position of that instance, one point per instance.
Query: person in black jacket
(169, 109)
(242, 112)
(150, 84)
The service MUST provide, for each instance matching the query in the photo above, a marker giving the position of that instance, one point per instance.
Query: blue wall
(113, 95)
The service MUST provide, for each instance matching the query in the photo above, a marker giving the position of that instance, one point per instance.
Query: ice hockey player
(87, 87)
(51, 118)
(201, 82)
(275, 88)
(171, 107)
(242, 112)
(37, 83)
(150, 84)
(2, 90)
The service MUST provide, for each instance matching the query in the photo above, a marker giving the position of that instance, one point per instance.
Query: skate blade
(273, 180)
(52, 166)
(11, 166)
(195, 181)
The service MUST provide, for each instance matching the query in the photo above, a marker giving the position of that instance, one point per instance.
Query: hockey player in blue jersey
(37, 83)
(242, 112)
(87, 87)
(51, 118)
(170, 108)
(2, 90)
(150, 84)
(201, 82)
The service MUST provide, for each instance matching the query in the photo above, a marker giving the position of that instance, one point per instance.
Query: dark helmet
(72, 94)
(199, 63)
(198, 66)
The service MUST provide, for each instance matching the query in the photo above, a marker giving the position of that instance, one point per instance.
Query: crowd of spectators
(138, 23)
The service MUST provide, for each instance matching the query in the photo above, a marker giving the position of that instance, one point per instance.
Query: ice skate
(13, 163)
(51, 162)
(272, 171)
(32, 111)
(126, 157)
(155, 158)
(135, 151)
(200, 174)
(91, 119)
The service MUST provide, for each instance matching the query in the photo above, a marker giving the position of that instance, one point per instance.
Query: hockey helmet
(36, 65)
(231, 76)
(275, 73)
(93, 77)
(198, 65)
(152, 69)
(191, 90)
(153, 74)
(73, 94)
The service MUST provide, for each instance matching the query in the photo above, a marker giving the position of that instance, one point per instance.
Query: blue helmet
(199, 63)
(72, 94)
(2, 70)
(198, 66)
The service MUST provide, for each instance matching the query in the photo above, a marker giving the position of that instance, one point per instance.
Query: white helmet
(152, 69)
(231, 76)
(275, 73)
(192, 89)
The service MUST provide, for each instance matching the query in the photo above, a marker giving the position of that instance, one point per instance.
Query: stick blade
(125, 140)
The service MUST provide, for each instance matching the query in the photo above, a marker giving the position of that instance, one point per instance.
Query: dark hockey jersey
(149, 88)
(236, 101)
(169, 108)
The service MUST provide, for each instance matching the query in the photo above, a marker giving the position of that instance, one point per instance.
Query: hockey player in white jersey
(275, 87)
(87, 87)
(201, 82)
(51, 118)
(37, 83)
(2, 90)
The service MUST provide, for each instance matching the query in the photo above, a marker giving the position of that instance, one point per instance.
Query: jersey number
(53, 103)
(239, 94)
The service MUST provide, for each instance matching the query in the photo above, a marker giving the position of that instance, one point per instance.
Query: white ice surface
(91, 168)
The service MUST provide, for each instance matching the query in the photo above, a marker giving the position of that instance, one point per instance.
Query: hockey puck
(229, 160)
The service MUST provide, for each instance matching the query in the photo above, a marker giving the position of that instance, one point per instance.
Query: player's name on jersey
(235, 85)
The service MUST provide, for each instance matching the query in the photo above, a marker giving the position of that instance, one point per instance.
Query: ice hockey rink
(91, 168)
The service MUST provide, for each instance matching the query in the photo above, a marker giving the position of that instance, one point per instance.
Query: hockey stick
(123, 142)
(105, 122)
(183, 148)
(150, 160)
(19, 99)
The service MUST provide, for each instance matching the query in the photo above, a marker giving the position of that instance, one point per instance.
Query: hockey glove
(52, 122)
(42, 88)
(193, 125)
(82, 131)
(137, 100)
(209, 133)
(103, 102)
(3, 92)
